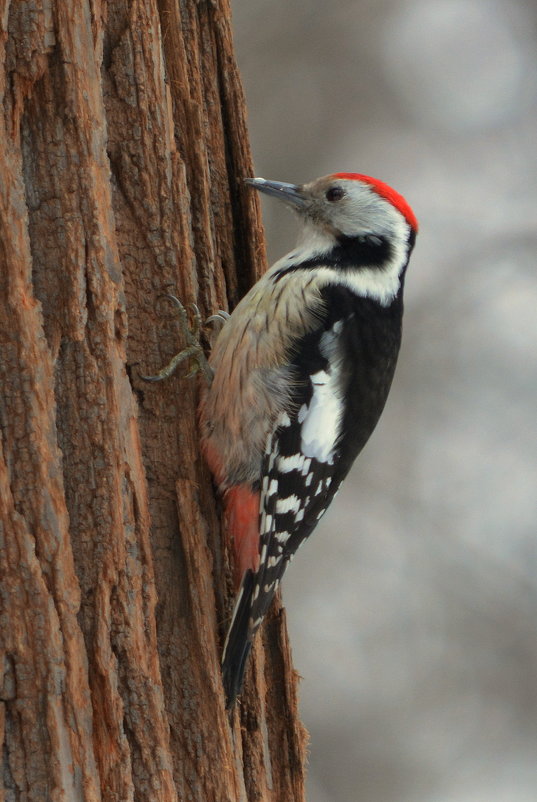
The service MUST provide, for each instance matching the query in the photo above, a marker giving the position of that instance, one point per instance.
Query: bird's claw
(219, 317)
(194, 349)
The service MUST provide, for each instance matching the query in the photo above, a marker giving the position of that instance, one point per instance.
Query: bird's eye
(334, 194)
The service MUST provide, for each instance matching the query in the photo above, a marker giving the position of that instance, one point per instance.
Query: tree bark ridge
(123, 145)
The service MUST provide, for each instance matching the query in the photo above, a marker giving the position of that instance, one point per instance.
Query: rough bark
(122, 147)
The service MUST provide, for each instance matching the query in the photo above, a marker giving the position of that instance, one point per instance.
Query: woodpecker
(301, 373)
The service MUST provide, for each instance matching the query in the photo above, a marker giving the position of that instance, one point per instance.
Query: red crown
(387, 193)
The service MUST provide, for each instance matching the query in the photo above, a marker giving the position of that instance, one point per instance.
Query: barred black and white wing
(300, 475)
(296, 490)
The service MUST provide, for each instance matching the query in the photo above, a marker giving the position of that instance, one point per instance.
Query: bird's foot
(194, 350)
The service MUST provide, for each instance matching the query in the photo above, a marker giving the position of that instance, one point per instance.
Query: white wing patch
(294, 463)
(321, 419)
(290, 504)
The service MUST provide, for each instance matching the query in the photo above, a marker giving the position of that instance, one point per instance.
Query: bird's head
(353, 224)
(345, 204)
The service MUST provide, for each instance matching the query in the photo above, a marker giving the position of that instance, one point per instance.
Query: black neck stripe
(348, 252)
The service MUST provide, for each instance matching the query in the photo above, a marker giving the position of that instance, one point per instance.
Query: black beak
(288, 193)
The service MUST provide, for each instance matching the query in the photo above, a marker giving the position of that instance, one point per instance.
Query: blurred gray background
(412, 609)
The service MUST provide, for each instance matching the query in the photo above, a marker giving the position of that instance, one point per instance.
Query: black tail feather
(239, 641)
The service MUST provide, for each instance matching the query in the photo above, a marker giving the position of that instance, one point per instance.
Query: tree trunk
(122, 148)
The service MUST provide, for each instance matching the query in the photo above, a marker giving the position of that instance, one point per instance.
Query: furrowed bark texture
(122, 149)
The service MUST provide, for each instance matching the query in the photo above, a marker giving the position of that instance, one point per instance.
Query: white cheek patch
(380, 283)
